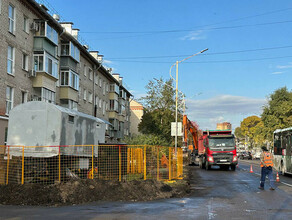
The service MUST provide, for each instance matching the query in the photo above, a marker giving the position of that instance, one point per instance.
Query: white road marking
(286, 184)
(258, 174)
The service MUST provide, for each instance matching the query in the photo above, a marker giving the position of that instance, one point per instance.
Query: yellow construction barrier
(48, 164)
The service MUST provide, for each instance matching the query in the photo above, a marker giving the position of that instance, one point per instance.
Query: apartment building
(42, 59)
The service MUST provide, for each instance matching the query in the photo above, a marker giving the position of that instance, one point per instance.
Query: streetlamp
(176, 90)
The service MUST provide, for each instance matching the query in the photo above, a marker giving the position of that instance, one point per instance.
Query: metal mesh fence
(50, 164)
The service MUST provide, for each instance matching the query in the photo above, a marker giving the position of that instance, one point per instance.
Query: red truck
(217, 147)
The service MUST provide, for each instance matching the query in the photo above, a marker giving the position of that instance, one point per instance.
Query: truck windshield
(221, 143)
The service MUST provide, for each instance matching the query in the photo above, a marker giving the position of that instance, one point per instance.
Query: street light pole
(176, 91)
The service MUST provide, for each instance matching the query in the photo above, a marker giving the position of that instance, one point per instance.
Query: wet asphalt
(216, 194)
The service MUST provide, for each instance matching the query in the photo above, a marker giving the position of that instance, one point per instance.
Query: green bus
(282, 150)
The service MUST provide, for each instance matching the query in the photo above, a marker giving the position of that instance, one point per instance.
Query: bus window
(277, 144)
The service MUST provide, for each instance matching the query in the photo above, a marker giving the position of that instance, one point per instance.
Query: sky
(249, 49)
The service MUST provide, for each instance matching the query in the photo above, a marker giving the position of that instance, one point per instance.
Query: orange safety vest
(268, 162)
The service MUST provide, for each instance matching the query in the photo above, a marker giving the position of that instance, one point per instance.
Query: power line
(214, 61)
(185, 30)
(207, 54)
(190, 30)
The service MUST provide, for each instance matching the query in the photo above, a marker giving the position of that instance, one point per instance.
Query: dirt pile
(83, 191)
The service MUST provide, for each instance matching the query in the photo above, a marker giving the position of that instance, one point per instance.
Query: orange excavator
(192, 128)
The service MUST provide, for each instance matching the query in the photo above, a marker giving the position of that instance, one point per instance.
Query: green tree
(159, 106)
(238, 133)
(277, 113)
(249, 127)
(144, 139)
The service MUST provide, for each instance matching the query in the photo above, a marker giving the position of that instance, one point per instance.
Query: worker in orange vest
(267, 168)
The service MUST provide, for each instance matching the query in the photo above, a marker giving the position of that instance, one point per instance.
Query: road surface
(217, 194)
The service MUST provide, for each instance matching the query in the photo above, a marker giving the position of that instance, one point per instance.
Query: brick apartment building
(41, 59)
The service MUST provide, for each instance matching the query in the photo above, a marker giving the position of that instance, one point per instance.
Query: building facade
(41, 59)
(224, 126)
(137, 112)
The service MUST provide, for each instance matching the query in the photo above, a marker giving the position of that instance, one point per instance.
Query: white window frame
(96, 78)
(74, 52)
(25, 61)
(46, 58)
(90, 73)
(72, 104)
(11, 59)
(84, 94)
(25, 24)
(10, 99)
(103, 108)
(85, 70)
(11, 19)
(69, 78)
(48, 95)
(103, 89)
(90, 97)
(100, 103)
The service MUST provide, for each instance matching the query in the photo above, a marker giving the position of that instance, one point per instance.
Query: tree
(238, 133)
(248, 128)
(143, 139)
(277, 113)
(159, 106)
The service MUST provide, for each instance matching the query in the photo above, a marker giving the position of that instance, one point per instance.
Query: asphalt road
(217, 194)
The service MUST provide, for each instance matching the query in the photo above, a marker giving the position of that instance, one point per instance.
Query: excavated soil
(84, 191)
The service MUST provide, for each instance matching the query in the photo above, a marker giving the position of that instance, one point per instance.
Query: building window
(25, 24)
(114, 88)
(9, 99)
(68, 103)
(96, 79)
(96, 100)
(74, 52)
(23, 97)
(25, 61)
(90, 74)
(84, 94)
(103, 108)
(11, 16)
(71, 118)
(100, 82)
(114, 105)
(10, 60)
(69, 49)
(103, 89)
(70, 78)
(65, 49)
(100, 103)
(46, 63)
(43, 29)
(85, 70)
(48, 95)
(90, 97)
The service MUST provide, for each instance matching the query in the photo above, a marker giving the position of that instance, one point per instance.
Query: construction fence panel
(50, 164)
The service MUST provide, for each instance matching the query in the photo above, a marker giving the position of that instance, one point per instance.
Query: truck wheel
(233, 167)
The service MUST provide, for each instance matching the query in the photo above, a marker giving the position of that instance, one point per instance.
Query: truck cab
(217, 148)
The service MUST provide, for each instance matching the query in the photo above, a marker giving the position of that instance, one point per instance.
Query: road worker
(266, 168)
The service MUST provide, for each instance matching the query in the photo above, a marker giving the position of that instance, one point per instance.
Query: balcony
(68, 93)
(44, 80)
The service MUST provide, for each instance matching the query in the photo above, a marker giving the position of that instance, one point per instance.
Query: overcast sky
(249, 44)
